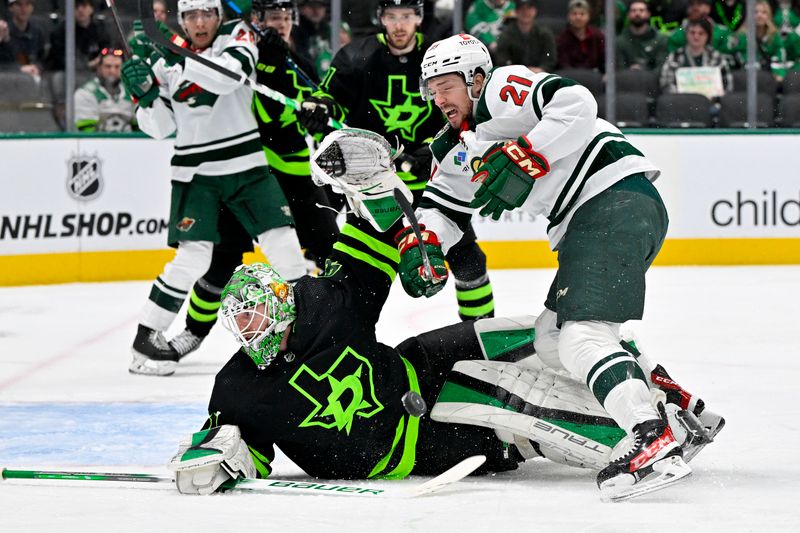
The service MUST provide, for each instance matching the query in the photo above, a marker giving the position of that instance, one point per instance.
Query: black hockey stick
(111, 5)
(155, 35)
(408, 211)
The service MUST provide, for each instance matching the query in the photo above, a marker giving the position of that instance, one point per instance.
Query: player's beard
(400, 41)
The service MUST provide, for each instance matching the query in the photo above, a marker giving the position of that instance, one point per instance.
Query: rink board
(96, 208)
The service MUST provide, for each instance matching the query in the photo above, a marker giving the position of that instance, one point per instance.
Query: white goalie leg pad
(541, 405)
(207, 459)
(509, 339)
(191, 261)
(281, 247)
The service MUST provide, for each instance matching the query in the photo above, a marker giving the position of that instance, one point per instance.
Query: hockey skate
(653, 461)
(185, 343)
(152, 354)
(695, 413)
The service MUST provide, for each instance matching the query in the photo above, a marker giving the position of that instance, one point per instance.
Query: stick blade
(456, 473)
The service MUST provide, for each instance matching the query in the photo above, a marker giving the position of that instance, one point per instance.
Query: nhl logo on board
(84, 177)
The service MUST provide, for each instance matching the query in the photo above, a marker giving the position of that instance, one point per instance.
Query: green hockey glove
(507, 175)
(139, 81)
(207, 459)
(415, 279)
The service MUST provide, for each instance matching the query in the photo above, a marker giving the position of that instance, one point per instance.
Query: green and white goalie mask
(359, 164)
(257, 307)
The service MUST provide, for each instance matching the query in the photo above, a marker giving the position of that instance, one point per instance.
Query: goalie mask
(257, 307)
(461, 54)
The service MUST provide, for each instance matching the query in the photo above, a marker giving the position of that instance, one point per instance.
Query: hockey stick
(111, 5)
(155, 35)
(452, 475)
(305, 78)
(408, 211)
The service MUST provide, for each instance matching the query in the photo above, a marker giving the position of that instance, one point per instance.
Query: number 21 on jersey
(515, 90)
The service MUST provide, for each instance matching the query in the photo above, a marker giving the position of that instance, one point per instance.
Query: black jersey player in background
(373, 83)
(287, 153)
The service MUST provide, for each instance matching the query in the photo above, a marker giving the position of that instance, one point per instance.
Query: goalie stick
(155, 35)
(443, 480)
(408, 211)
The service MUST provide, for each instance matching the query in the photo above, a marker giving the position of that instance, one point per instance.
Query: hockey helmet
(262, 6)
(416, 5)
(462, 54)
(185, 6)
(257, 305)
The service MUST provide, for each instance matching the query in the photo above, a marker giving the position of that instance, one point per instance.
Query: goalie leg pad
(555, 411)
(207, 459)
(509, 339)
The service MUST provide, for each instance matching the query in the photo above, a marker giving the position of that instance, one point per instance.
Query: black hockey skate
(653, 462)
(185, 343)
(152, 354)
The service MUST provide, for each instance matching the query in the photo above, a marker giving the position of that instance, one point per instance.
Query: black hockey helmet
(416, 5)
(262, 6)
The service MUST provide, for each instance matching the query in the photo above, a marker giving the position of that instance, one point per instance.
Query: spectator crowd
(663, 47)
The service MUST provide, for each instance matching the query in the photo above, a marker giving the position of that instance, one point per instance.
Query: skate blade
(669, 471)
(145, 366)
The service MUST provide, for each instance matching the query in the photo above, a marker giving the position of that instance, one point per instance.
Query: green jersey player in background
(373, 83)
(218, 160)
(534, 141)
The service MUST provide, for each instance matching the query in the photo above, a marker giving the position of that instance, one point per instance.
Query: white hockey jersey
(586, 154)
(216, 131)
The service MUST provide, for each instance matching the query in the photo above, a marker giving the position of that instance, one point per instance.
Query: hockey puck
(414, 404)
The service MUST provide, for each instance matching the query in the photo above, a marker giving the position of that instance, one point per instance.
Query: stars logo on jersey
(345, 391)
(400, 111)
(193, 95)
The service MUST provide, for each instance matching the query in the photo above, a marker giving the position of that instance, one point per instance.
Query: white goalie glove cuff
(207, 459)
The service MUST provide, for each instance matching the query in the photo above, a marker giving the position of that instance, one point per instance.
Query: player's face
(280, 20)
(449, 93)
(252, 322)
(201, 26)
(160, 12)
(401, 26)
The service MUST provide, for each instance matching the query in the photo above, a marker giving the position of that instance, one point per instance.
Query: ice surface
(67, 401)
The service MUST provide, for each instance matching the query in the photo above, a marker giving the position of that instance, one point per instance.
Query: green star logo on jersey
(345, 391)
(399, 111)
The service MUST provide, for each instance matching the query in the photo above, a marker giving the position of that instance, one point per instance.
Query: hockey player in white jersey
(518, 139)
(217, 160)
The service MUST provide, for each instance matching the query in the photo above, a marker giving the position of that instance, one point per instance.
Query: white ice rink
(732, 335)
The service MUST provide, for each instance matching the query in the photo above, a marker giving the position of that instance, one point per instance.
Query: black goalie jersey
(332, 402)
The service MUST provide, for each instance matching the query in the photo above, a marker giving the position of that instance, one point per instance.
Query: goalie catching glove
(507, 174)
(413, 275)
(207, 459)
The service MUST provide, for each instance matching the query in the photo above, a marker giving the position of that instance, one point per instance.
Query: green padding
(260, 461)
(614, 375)
(452, 392)
(385, 211)
(607, 435)
(202, 304)
(497, 343)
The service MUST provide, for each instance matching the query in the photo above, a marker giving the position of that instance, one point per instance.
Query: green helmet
(257, 307)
